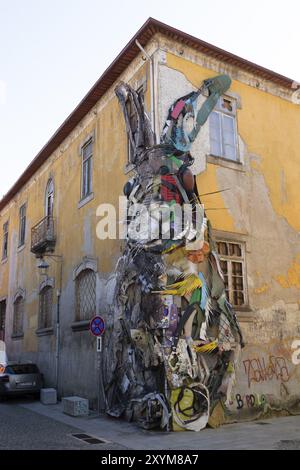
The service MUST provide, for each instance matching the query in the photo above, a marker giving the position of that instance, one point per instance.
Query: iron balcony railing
(43, 236)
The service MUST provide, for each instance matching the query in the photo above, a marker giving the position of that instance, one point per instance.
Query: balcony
(43, 236)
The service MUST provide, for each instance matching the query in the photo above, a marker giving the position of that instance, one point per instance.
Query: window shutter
(229, 145)
(215, 134)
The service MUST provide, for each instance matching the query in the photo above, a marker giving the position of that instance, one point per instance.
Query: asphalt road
(28, 424)
(22, 429)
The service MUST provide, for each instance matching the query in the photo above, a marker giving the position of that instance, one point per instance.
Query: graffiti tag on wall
(251, 401)
(296, 354)
(260, 369)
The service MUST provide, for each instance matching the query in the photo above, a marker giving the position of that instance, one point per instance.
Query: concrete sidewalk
(276, 433)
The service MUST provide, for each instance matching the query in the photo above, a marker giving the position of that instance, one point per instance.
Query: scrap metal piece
(140, 133)
(182, 408)
(174, 132)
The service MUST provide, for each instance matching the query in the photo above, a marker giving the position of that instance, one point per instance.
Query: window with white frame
(85, 295)
(223, 129)
(49, 198)
(232, 259)
(46, 302)
(18, 316)
(22, 224)
(5, 241)
(87, 168)
(133, 122)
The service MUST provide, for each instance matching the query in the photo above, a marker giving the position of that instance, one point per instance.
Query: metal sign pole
(97, 328)
(98, 340)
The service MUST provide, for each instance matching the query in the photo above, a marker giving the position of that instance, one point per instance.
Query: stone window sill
(20, 248)
(244, 314)
(85, 200)
(225, 162)
(80, 325)
(44, 331)
(17, 336)
(4, 260)
(242, 308)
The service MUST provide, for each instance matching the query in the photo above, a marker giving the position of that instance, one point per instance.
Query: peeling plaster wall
(261, 209)
(268, 380)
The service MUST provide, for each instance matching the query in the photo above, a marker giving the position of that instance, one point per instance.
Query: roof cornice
(117, 67)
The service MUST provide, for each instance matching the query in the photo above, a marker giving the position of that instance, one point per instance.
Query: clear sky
(52, 52)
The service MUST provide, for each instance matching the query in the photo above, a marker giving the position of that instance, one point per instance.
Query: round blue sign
(97, 326)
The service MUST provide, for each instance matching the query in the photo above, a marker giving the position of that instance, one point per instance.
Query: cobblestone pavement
(27, 424)
(23, 429)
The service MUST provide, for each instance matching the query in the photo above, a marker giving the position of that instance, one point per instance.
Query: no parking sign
(97, 328)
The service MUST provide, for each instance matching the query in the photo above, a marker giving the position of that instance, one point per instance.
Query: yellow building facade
(247, 171)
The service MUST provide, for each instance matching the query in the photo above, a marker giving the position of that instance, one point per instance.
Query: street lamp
(43, 266)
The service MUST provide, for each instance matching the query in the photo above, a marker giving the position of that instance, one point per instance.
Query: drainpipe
(58, 259)
(57, 346)
(152, 75)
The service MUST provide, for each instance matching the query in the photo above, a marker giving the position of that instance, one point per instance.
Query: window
(46, 302)
(85, 295)
(133, 122)
(5, 241)
(233, 266)
(22, 224)
(18, 316)
(87, 155)
(49, 198)
(223, 129)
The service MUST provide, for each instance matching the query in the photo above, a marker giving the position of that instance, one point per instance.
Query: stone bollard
(48, 396)
(75, 406)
